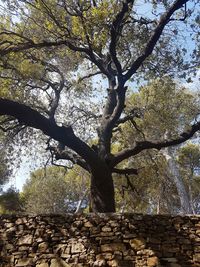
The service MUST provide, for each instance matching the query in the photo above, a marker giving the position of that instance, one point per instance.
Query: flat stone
(21, 221)
(106, 229)
(9, 225)
(44, 264)
(113, 247)
(170, 259)
(23, 248)
(146, 252)
(88, 224)
(138, 243)
(113, 263)
(196, 257)
(58, 263)
(100, 262)
(42, 247)
(25, 240)
(24, 262)
(153, 261)
(77, 248)
(11, 229)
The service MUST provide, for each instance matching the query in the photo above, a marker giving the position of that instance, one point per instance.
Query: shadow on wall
(123, 240)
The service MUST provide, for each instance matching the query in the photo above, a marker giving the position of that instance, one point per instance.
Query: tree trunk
(176, 177)
(190, 193)
(102, 190)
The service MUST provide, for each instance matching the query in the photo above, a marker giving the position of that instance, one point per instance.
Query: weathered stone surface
(106, 229)
(9, 225)
(116, 240)
(24, 262)
(44, 264)
(77, 247)
(147, 252)
(170, 259)
(113, 263)
(113, 247)
(88, 224)
(42, 247)
(152, 261)
(197, 257)
(25, 240)
(58, 263)
(100, 261)
(176, 265)
(138, 243)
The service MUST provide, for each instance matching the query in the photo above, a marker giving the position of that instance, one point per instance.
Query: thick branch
(144, 145)
(33, 118)
(116, 29)
(112, 112)
(27, 45)
(165, 18)
(69, 155)
(120, 97)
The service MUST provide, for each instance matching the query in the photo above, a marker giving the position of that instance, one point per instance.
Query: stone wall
(99, 240)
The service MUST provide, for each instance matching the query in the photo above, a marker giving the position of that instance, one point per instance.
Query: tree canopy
(53, 53)
(51, 190)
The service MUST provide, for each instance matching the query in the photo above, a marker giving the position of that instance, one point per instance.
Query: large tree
(44, 42)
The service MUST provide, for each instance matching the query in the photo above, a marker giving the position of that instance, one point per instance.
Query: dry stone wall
(125, 240)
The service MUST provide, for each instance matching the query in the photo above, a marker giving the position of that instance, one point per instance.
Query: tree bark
(102, 195)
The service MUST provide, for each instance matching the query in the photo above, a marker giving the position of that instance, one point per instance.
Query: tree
(4, 168)
(51, 190)
(189, 162)
(11, 202)
(113, 39)
(162, 107)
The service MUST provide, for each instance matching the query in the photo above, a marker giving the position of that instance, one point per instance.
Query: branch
(33, 118)
(125, 171)
(30, 44)
(68, 155)
(134, 113)
(89, 76)
(165, 18)
(144, 145)
(116, 29)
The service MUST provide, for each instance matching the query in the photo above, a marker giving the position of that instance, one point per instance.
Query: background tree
(51, 190)
(112, 39)
(160, 108)
(11, 202)
(4, 166)
(189, 161)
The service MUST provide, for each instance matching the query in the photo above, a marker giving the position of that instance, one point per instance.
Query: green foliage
(160, 110)
(151, 191)
(189, 163)
(11, 202)
(166, 108)
(53, 191)
(4, 169)
(189, 157)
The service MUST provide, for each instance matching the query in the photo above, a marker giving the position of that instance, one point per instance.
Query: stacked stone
(86, 240)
